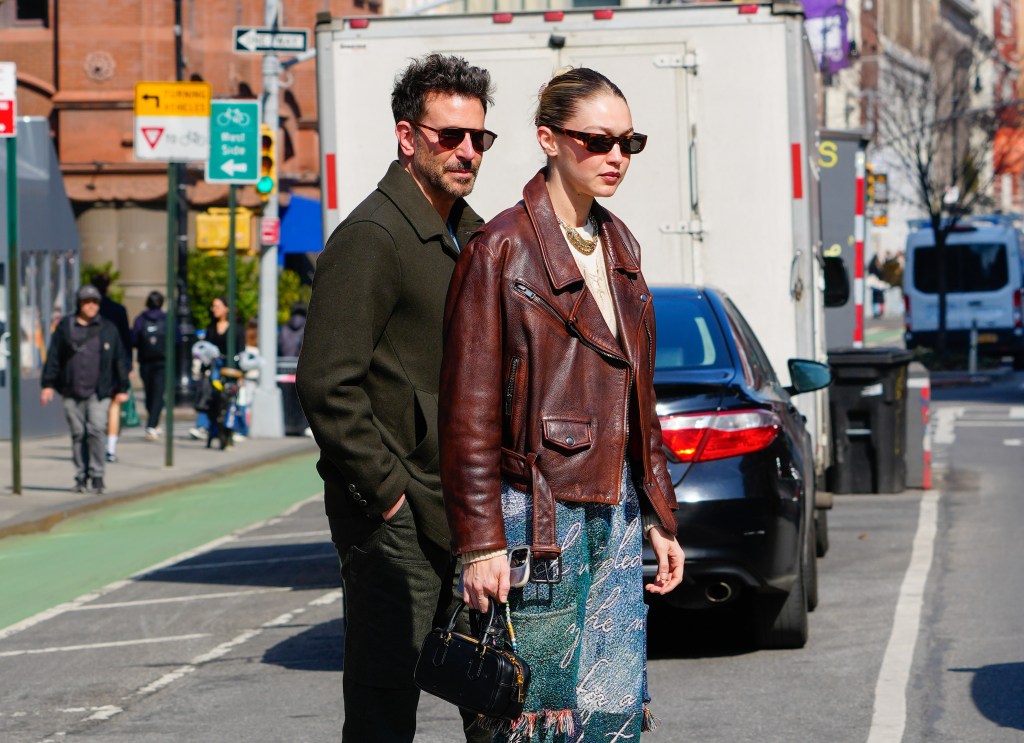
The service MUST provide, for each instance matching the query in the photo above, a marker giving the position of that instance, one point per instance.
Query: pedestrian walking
(87, 365)
(149, 334)
(289, 338)
(367, 379)
(217, 334)
(115, 313)
(550, 441)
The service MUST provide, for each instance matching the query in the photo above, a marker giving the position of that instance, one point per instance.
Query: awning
(301, 227)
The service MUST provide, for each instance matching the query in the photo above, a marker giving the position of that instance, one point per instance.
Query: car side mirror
(837, 282)
(808, 376)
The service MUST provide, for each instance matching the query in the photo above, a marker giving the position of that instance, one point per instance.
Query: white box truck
(726, 192)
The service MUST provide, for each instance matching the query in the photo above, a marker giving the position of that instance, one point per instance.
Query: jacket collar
(559, 262)
(400, 187)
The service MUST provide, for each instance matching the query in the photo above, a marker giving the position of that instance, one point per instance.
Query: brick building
(78, 64)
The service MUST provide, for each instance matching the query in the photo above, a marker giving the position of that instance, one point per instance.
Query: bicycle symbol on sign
(235, 116)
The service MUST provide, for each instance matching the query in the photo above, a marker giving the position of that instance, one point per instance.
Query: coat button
(351, 488)
(643, 297)
(570, 441)
(362, 502)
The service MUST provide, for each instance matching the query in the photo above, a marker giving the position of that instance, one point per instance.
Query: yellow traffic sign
(172, 99)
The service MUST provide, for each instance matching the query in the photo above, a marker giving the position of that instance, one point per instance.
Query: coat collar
(400, 187)
(559, 262)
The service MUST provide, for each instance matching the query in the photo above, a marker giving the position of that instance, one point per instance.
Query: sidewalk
(47, 473)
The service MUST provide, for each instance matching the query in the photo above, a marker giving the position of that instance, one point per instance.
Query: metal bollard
(972, 356)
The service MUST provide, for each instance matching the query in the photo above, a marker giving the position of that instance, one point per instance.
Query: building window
(33, 12)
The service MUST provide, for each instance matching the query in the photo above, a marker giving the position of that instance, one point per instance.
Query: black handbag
(481, 674)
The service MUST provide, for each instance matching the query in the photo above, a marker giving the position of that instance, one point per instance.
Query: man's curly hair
(438, 73)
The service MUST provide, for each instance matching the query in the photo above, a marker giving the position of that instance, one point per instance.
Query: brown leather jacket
(535, 390)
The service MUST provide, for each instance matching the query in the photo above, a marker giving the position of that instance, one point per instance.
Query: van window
(969, 268)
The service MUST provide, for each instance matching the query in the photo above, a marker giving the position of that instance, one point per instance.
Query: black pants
(398, 586)
(152, 373)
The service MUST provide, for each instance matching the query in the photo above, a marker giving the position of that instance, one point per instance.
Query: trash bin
(294, 419)
(868, 406)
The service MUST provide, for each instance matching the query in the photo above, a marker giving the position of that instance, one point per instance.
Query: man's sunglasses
(630, 144)
(453, 136)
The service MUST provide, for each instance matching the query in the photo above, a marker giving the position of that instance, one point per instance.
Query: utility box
(868, 403)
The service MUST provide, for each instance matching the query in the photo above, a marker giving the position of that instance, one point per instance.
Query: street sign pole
(232, 279)
(13, 312)
(171, 322)
(267, 412)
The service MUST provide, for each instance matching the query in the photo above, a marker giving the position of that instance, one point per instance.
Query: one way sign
(259, 40)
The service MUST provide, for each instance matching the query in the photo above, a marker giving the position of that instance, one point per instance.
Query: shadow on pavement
(319, 648)
(998, 693)
(312, 565)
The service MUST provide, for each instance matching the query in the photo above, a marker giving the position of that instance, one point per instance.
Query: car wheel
(821, 531)
(782, 623)
(811, 568)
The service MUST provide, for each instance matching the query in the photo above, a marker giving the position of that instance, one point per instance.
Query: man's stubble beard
(434, 174)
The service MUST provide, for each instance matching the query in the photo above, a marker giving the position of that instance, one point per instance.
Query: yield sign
(152, 134)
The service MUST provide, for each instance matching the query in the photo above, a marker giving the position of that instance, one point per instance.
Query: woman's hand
(484, 579)
(670, 561)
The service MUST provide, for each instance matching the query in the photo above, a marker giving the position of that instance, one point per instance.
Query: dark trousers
(398, 586)
(152, 373)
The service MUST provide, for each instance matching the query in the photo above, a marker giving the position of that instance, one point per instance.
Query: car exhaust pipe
(718, 593)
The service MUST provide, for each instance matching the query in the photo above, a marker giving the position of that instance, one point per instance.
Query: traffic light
(267, 183)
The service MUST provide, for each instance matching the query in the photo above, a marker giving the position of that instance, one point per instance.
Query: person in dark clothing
(217, 330)
(88, 366)
(289, 339)
(149, 333)
(115, 313)
(367, 379)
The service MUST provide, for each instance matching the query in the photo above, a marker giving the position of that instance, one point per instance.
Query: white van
(984, 281)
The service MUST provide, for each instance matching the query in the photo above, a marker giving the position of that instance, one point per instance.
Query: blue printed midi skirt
(585, 638)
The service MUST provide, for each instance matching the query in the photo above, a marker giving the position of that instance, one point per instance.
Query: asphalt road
(919, 635)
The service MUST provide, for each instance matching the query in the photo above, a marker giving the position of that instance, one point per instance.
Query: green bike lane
(85, 553)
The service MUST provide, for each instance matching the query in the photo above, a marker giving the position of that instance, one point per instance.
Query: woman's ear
(546, 139)
(405, 134)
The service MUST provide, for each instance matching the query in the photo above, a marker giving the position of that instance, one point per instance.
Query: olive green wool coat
(371, 356)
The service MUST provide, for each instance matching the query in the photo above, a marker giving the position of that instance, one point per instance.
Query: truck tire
(821, 531)
(781, 623)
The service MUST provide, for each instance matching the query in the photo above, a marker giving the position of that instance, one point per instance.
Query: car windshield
(979, 267)
(688, 335)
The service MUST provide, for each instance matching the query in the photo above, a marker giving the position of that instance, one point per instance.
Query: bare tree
(941, 142)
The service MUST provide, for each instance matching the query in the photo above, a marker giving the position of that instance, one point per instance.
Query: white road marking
(989, 424)
(105, 713)
(239, 563)
(90, 597)
(293, 535)
(1017, 411)
(890, 708)
(100, 645)
(945, 424)
(1013, 442)
(179, 599)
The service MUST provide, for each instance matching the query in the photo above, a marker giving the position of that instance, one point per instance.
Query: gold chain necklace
(582, 244)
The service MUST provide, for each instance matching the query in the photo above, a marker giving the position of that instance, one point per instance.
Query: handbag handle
(489, 630)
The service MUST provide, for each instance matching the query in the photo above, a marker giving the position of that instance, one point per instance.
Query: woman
(217, 330)
(549, 434)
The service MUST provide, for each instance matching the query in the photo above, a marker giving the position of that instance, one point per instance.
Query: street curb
(39, 524)
(941, 379)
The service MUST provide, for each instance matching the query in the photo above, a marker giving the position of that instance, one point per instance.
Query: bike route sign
(234, 142)
(172, 121)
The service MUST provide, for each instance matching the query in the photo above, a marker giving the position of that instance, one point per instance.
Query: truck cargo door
(655, 199)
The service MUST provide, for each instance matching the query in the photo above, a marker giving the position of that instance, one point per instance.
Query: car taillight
(702, 437)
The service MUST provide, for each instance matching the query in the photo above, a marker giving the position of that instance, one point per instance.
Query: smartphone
(518, 566)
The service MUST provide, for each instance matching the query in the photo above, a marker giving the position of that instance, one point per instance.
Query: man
(87, 364)
(368, 381)
(148, 336)
(115, 313)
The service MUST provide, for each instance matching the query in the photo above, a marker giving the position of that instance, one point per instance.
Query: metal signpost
(234, 159)
(172, 124)
(8, 131)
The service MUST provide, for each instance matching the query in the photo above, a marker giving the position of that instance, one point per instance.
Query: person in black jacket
(114, 312)
(148, 337)
(87, 364)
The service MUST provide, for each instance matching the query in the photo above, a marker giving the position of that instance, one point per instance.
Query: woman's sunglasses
(630, 144)
(452, 137)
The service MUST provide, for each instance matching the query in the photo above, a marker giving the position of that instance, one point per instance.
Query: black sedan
(741, 460)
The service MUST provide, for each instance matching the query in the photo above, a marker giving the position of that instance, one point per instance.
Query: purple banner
(827, 24)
